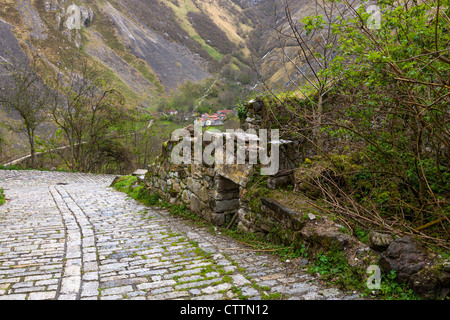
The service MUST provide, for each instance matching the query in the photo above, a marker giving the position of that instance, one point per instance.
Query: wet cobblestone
(70, 236)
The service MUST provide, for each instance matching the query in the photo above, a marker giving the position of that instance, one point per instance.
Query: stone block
(196, 170)
(196, 204)
(280, 182)
(226, 195)
(203, 194)
(162, 173)
(406, 256)
(217, 218)
(186, 196)
(193, 185)
(139, 172)
(224, 185)
(175, 185)
(289, 218)
(162, 185)
(225, 205)
(238, 173)
(425, 283)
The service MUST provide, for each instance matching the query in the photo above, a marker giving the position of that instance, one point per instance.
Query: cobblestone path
(70, 236)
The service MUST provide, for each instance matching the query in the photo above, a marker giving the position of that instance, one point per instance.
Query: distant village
(203, 119)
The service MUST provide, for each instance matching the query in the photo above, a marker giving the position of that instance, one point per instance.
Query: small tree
(91, 115)
(309, 52)
(401, 71)
(24, 96)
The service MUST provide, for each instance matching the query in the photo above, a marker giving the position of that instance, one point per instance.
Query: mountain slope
(147, 48)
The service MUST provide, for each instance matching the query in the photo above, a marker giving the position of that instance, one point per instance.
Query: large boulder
(428, 277)
(406, 256)
(432, 282)
(238, 173)
(426, 283)
(225, 205)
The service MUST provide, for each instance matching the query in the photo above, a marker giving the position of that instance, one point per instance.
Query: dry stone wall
(211, 191)
(224, 193)
(216, 191)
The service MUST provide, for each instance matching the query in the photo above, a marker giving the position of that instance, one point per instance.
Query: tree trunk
(319, 137)
(32, 151)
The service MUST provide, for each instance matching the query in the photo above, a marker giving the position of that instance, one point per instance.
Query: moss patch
(2, 196)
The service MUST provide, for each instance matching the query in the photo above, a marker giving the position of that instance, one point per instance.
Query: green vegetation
(210, 95)
(334, 268)
(128, 184)
(210, 50)
(2, 196)
(207, 29)
(373, 116)
(107, 30)
(13, 167)
(392, 290)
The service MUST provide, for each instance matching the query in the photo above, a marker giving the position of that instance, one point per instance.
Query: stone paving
(69, 236)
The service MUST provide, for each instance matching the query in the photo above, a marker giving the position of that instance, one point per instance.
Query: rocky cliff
(146, 47)
(150, 47)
